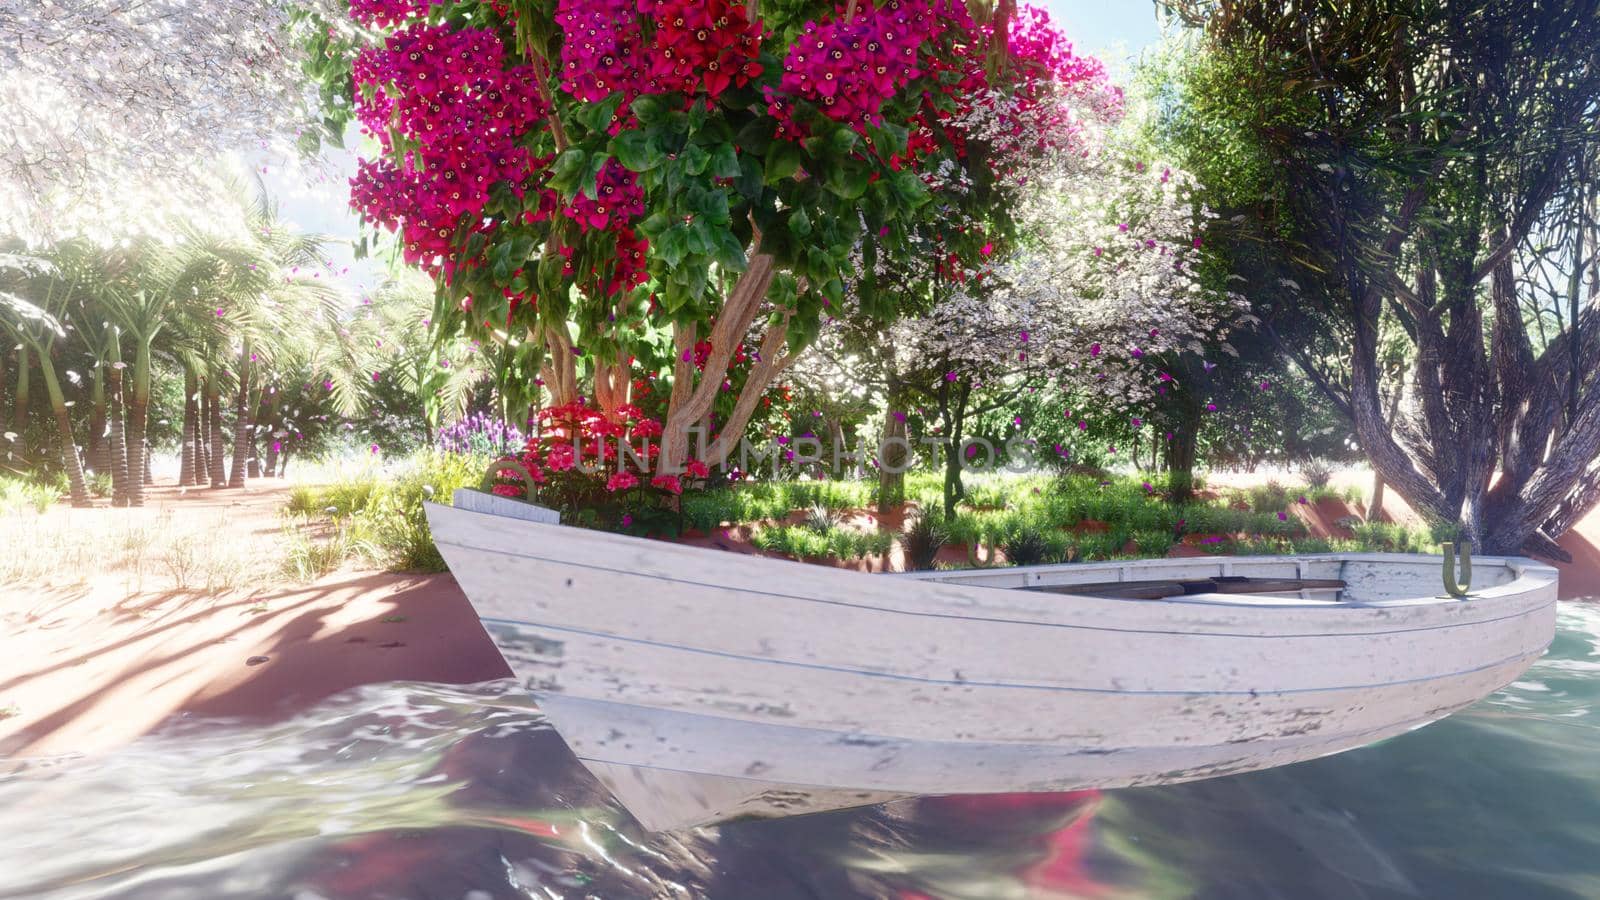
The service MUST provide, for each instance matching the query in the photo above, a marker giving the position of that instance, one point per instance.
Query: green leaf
(568, 170)
(597, 116)
(756, 135)
(843, 139)
(636, 151)
(649, 109)
(890, 139)
(694, 159)
(783, 160)
(591, 171)
(800, 223)
(848, 181)
(725, 161)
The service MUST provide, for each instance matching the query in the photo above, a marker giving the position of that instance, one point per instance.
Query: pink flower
(697, 468)
(1094, 350)
(1138, 422)
(1211, 407)
(621, 481)
(1099, 252)
(627, 519)
(561, 458)
(986, 249)
(374, 448)
(668, 483)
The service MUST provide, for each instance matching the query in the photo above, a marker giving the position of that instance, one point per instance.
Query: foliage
(1414, 177)
(379, 514)
(838, 542)
(17, 494)
(922, 537)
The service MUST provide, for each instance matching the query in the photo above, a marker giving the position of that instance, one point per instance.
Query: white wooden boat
(700, 685)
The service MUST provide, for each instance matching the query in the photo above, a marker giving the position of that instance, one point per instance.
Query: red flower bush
(581, 460)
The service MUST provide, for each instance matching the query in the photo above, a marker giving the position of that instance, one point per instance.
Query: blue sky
(1113, 30)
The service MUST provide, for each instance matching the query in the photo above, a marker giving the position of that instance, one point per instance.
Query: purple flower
(1283, 517)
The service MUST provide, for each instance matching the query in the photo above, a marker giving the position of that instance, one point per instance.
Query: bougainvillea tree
(627, 188)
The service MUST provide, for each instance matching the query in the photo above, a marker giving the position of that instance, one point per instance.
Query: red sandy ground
(87, 667)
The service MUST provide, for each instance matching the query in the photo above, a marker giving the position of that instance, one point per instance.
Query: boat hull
(701, 685)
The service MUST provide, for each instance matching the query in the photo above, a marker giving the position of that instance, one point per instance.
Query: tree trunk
(138, 416)
(149, 476)
(243, 422)
(692, 398)
(1375, 508)
(187, 455)
(202, 435)
(1182, 450)
(118, 442)
(214, 461)
(69, 448)
(252, 467)
(99, 451)
(19, 414)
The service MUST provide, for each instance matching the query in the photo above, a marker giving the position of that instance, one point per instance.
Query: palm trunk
(19, 415)
(118, 442)
(138, 416)
(186, 456)
(242, 421)
(99, 453)
(69, 447)
(253, 464)
(214, 462)
(149, 476)
(202, 436)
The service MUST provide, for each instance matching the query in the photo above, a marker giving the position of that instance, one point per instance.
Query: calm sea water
(418, 791)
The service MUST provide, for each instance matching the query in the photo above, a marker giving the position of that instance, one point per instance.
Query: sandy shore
(114, 631)
(89, 660)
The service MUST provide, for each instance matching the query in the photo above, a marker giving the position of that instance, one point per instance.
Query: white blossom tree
(114, 107)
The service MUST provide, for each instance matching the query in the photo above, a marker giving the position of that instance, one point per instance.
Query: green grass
(378, 514)
(18, 495)
(837, 542)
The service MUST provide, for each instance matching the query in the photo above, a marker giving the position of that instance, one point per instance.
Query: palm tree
(36, 294)
(169, 276)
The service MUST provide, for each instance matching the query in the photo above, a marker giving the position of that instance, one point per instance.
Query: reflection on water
(418, 791)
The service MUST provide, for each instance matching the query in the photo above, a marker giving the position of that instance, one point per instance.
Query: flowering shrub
(480, 435)
(586, 174)
(584, 462)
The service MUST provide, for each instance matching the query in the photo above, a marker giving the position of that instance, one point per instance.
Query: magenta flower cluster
(384, 13)
(457, 110)
(848, 68)
(692, 46)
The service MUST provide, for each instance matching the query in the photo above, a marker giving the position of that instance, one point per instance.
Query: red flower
(668, 483)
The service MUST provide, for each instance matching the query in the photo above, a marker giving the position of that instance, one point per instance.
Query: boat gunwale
(1530, 577)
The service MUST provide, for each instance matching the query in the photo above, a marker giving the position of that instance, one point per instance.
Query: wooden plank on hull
(664, 800)
(955, 649)
(542, 557)
(602, 669)
(667, 740)
(1222, 584)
